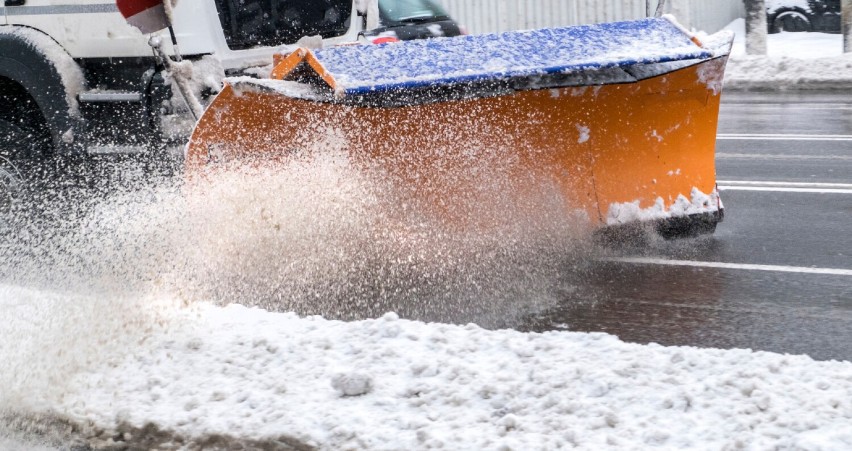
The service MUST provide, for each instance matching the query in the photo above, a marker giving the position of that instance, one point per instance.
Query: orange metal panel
(286, 66)
(655, 138)
(595, 145)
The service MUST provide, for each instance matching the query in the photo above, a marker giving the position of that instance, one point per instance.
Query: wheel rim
(792, 21)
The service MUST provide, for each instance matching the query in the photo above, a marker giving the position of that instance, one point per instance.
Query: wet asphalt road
(784, 165)
(776, 275)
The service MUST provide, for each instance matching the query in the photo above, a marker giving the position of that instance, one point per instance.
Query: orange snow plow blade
(621, 138)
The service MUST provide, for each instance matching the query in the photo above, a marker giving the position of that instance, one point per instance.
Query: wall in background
(487, 16)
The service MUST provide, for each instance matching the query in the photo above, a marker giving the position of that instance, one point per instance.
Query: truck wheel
(795, 21)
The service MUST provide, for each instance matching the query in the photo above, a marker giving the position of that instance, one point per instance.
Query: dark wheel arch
(31, 61)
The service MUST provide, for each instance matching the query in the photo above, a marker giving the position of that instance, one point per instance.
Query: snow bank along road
(220, 378)
(778, 274)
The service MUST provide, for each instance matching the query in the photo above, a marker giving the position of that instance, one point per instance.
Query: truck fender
(49, 74)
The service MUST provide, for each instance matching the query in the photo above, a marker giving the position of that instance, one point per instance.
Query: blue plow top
(446, 61)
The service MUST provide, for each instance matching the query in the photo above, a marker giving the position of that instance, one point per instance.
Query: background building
(486, 16)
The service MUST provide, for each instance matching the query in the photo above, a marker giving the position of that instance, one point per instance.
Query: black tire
(790, 20)
(15, 142)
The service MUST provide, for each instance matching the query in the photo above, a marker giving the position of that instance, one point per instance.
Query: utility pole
(756, 27)
(661, 7)
(846, 24)
(654, 11)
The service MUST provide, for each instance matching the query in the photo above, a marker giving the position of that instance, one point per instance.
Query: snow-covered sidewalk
(390, 384)
(794, 61)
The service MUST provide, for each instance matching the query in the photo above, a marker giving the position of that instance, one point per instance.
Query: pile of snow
(793, 61)
(390, 383)
(628, 212)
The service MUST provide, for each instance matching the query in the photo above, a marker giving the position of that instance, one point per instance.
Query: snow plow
(619, 119)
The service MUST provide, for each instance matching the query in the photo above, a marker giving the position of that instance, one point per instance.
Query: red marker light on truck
(384, 40)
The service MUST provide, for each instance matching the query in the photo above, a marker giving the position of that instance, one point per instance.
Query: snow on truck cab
(78, 82)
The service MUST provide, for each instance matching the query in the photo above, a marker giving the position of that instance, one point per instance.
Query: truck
(80, 87)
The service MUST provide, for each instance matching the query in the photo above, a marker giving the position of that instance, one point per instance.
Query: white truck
(78, 83)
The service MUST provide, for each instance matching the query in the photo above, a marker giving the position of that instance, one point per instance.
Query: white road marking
(796, 184)
(785, 190)
(785, 187)
(720, 265)
(789, 106)
(769, 156)
(781, 137)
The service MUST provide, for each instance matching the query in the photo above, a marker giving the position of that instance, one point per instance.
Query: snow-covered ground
(208, 372)
(793, 61)
(168, 370)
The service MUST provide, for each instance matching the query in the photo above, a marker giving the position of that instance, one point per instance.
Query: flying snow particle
(584, 133)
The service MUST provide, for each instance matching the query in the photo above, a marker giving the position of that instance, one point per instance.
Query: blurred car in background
(414, 19)
(803, 15)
